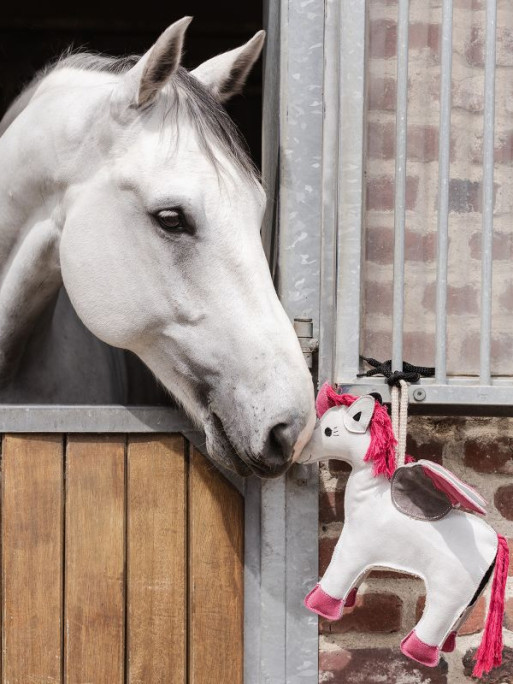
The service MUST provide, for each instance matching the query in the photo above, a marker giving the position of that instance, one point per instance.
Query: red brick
(460, 300)
(337, 467)
(493, 455)
(431, 450)
(422, 143)
(502, 248)
(470, 5)
(380, 245)
(475, 621)
(500, 352)
(499, 675)
(423, 35)
(382, 93)
(331, 506)
(508, 613)
(381, 190)
(377, 298)
(372, 613)
(474, 49)
(326, 548)
(473, 624)
(506, 298)
(378, 666)
(380, 140)
(468, 95)
(382, 39)
(466, 196)
(504, 501)
(419, 348)
(333, 661)
(504, 148)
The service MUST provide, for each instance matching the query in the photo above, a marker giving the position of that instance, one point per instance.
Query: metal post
(401, 132)
(488, 163)
(444, 145)
(349, 183)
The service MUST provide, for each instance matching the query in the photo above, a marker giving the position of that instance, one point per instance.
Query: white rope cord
(399, 400)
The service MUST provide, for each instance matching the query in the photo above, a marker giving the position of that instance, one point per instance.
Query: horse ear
(226, 74)
(359, 414)
(155, 68)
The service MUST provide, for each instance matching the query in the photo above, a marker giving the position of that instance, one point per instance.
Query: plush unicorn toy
(418, 518)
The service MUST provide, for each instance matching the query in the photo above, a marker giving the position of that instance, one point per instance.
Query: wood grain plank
(32, 539)
(94, 569)
(216, 567)
(156, 561)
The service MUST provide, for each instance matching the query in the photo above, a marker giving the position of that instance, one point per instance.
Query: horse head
(154, 225)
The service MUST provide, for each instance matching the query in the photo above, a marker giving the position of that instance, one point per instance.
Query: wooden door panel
(216, 575)
(32, 549)
(121, 561)
(94, 560)
(156, 560)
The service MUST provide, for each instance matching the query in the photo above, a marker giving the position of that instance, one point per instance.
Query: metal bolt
(419, 394)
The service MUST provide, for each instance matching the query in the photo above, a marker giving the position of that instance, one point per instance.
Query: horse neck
(41, 133)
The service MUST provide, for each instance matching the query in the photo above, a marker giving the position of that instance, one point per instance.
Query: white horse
(404, 519)
(125, 181)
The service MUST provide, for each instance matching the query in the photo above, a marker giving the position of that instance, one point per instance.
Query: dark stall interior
(33, 35)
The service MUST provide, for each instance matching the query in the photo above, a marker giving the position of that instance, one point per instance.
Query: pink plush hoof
(417, 650)
(351, 598)
(318, 601)
(450, 643)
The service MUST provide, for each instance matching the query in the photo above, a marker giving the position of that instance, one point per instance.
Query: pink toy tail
(489, 653)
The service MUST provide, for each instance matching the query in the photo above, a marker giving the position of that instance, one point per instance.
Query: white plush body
(451, 554)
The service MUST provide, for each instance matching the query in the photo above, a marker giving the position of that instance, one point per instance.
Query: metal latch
(309, 345)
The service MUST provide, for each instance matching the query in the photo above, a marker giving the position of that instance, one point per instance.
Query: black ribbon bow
(409, 373)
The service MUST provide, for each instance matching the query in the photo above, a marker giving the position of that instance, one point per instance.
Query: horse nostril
(279, 447)
(282, 440)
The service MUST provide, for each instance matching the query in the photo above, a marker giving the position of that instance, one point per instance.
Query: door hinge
(309, 344)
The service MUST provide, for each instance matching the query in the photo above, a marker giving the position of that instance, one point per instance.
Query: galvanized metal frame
(454, 392)
(281, 516)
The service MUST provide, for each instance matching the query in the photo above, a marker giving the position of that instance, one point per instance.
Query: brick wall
(422, 184)
(364, 646)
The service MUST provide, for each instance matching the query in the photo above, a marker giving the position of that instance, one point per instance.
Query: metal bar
(329, 214)
(456, 392)
(401, 132)
(107, 419)
(288, 637)
(488, 164)
(252, 579)
(112, 418)
(351, 190)
(273, 569)
(444, 145)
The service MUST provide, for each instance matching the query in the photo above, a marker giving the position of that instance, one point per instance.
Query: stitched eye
(328, 432)
(172, 221)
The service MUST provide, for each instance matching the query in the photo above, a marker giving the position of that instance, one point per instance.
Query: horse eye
(328, 432)
(171, 220)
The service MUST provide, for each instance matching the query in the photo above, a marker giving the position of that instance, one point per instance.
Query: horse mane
(381, 449)
(206, 114)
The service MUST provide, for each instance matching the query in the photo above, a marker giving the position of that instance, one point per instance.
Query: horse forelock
(183, 99)
(381, 449)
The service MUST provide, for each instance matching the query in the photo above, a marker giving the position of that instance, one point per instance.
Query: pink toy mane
(382, 446)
